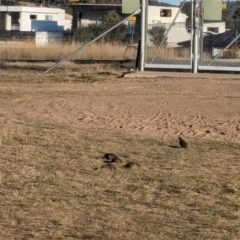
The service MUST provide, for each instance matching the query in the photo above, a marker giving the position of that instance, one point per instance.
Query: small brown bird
(109, 166)
(110, 156)
(132, 165)
(182, 143)
(117, 160)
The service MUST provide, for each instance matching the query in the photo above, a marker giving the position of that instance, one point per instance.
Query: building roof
(30, 9)
(85, 7)
(220, 40)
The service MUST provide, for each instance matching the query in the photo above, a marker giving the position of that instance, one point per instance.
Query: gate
(219, 35)
(208, 40)
(168, 37)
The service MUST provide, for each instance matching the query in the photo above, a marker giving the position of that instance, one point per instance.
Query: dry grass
(95, 51)
(49, 188)
(170, 53)
(23, 72)
(59, 51)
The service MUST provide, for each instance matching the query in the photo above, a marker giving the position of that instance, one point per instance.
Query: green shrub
(157, 34)
(88, 33)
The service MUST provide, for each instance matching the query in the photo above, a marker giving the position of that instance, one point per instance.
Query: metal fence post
(143, 23)
(195, 38)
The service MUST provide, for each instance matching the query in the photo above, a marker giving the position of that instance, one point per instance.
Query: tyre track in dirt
(164, 111)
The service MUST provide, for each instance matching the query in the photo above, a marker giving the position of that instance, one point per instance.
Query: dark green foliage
(111, 18)
(187, 9)
(88, 33)
(157, 3)
(101, 1)
(157, 35)
(9, 3)
(230, 19)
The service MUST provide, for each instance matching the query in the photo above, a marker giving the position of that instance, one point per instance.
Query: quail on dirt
(117, 160)
(183, 144)
(110, 156)
(132, 165)
(108, 166)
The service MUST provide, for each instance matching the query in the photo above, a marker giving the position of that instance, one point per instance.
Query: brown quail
(109, 166)
(110, 156)
(132, 165)
(117, 160)
(183, 144)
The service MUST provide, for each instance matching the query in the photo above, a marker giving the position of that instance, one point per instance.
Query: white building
(68, 22)
(36, 19)
(164, 16)
(160, 14)
(214, 27)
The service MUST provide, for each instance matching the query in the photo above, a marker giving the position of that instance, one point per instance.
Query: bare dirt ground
(161, 108)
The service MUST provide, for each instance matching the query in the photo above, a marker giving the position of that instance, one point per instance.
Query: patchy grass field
(51, 186)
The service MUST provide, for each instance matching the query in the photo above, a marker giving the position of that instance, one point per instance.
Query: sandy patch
(160, 108)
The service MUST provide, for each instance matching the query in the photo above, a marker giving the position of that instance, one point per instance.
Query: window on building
(15, 18)
(165, 12)
(213, 29)
(48, 17)
(33, 16)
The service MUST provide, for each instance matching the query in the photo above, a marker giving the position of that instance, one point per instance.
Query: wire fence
(57, 45)
(216, 36)
(23, 47)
